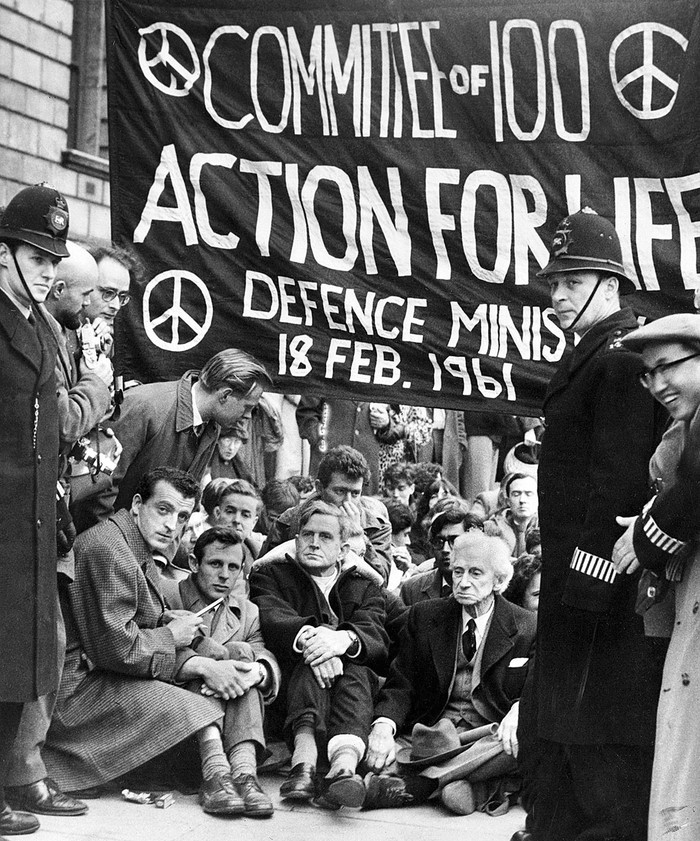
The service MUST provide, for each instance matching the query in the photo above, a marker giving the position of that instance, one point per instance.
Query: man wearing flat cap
(596, 676)
(460, 668)
(664, 539)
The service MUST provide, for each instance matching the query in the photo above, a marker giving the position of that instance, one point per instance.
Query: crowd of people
(398, 627)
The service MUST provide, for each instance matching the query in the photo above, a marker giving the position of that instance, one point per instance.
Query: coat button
(38, 458)
(38, 523)
(357, 432)
(696, 607)
(685, 679)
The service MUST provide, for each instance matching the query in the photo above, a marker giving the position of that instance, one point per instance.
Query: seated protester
(238, 508)
(436, 581)
(342, 474)
(424, 474)
(231, 631)
(519, 514)
(326, 627)
(399, 483)
(226, 463)
(122, 699)
(533, 543)
(277, 497)
(304, 484)
(200, 521)
(461, 666)
(524, 587)
(437, 491)
(403, 565)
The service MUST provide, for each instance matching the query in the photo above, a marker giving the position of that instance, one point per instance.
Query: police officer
(596, 676)
(33, 230)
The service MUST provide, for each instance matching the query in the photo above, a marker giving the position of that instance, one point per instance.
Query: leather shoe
(300, 783)
(44, 798)
(345, 789)
(17, 823)
(522, 835)
(385, 792)
(218, 796)
(257, 803)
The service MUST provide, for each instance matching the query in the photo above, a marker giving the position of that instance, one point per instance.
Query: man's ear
(58, 288)
(5, 254)
(222, 394)
(192, 562)
(319, 487)
(344, 549)
(136, 503)
(614, 284)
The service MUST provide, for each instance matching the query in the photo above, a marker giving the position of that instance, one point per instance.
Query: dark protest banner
(361, 193)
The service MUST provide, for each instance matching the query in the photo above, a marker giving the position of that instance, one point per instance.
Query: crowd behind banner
(436, 606)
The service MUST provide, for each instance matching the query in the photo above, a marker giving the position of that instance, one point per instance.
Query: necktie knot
(469, 640)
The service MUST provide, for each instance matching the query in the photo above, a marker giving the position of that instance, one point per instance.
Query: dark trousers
(345, 708)
(591, 792)
(10, 716)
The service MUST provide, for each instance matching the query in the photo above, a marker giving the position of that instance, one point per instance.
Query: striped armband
(588, 564)
(658, 537)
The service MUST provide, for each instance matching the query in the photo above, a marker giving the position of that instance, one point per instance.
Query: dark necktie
(469, 640)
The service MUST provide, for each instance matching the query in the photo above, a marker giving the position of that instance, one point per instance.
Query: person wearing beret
(596, 676)
(664, 539)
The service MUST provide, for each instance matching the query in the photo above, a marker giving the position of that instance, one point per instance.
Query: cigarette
(209, 607)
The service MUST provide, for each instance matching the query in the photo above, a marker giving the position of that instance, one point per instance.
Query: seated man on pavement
(231, 631)
(239, 508)
(436, 581)
(119, 703)
(519, 515)
(342, 474)
(326, 627)
(460, 668)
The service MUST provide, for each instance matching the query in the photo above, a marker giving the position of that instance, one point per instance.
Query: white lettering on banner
(176, 315)
(388, 318)
(358, 219)
(496, 328)
(468, 370)
(180, 78)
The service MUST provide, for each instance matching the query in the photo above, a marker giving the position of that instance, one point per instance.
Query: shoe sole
(346, 792)
(259, 813)
(54, 813)
(21, 832)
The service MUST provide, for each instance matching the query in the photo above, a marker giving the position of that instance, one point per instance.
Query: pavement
(111, 818)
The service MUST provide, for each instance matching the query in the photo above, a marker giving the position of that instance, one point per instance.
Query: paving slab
(113, 819)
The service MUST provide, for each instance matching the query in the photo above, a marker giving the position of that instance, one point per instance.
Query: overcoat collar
(623, 321)
(126, 524)
(21, 336)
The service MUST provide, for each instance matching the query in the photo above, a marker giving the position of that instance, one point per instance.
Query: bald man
(83, 393)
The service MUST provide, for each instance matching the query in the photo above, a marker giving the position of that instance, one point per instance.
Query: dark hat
(431, 745)
(681, 327)
(585, 241)
(37, 216)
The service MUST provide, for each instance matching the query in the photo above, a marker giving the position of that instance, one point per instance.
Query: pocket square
(517, 662)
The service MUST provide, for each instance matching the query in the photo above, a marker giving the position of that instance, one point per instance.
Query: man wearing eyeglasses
(445, 528)
(596, 676)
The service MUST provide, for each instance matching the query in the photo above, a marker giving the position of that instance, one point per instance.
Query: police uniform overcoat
(597, 676)
(28, 473)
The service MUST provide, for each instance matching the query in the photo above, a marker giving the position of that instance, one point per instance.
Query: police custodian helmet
(585, 241)
(37, 216)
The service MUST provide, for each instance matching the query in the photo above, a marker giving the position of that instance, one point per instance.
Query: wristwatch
(354, 647)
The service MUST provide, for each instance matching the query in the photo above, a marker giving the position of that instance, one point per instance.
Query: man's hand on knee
(324, 644)
(227, 679)
(328, 672)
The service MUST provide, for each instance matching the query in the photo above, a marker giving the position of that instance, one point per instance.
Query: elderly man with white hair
(452, 693)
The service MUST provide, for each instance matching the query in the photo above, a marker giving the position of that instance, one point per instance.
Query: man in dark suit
(33, 230)
(597, 677)
(326, 627)
(445, 528)
(461, 665)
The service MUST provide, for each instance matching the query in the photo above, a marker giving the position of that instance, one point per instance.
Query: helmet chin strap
(585, 306)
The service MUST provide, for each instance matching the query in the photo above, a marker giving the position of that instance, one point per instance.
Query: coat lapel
(446, 628)
(499, 636)
(136, 543)
(22, 338)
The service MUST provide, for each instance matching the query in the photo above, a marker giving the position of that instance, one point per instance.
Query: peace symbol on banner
(179, 77)
(653, 39)
(176, 315)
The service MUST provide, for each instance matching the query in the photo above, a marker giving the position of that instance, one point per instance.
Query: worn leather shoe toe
(522, 835)
(17, 823)
(385, 792)
(257, 803)
(218, 796)
(44, 798)
(300, 783)
(347, 789)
